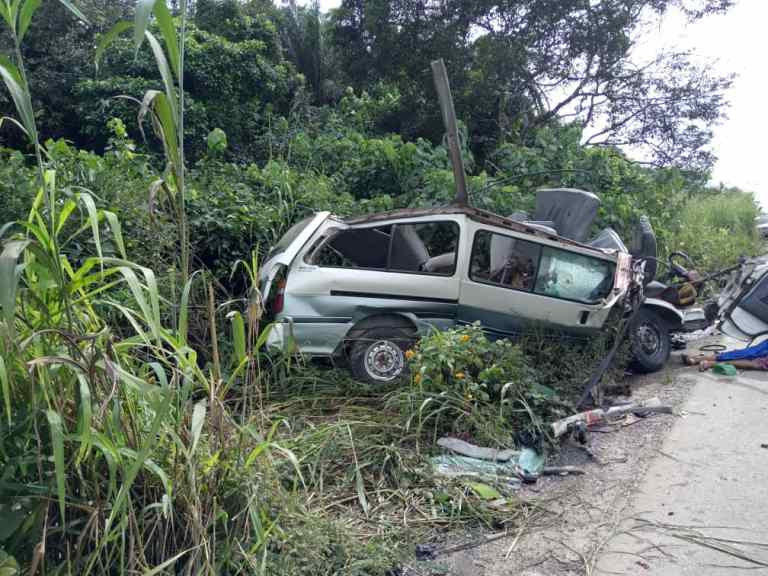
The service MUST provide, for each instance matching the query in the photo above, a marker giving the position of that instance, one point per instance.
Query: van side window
(565, 274)
(504, 260)
(422, 248)
(522, 265)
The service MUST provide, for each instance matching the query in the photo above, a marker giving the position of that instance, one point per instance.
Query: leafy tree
(518, 64)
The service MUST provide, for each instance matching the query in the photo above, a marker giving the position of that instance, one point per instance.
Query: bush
(716, 229)
(481, 387)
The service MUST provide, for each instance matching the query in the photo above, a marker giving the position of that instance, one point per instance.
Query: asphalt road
(706, 492)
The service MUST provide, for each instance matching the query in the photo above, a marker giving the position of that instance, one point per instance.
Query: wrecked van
(365, 289)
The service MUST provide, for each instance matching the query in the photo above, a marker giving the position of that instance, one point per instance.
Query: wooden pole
(452, 132)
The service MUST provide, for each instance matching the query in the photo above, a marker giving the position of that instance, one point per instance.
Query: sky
(735, 42)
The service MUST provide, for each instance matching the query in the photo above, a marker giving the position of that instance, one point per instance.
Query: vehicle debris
(466, 449)
(600, 415)
(512, 468)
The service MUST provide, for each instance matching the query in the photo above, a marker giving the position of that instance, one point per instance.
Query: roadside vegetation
(144, 427)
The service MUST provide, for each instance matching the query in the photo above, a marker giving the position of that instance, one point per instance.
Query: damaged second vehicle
(366, 289)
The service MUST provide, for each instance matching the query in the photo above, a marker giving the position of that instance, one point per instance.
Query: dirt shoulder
(574, 518)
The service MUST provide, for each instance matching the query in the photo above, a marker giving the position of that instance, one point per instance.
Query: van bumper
(307, 337)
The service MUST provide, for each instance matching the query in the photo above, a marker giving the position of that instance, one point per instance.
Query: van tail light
(279, 302)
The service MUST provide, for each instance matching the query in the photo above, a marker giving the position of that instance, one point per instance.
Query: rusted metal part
(443, 88)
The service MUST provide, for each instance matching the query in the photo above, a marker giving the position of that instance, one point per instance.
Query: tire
(378, 356)
(650, 341)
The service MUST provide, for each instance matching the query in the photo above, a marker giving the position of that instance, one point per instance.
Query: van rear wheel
(378, 355)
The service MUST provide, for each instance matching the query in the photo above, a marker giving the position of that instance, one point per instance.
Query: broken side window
(566, 274)
(504, 260)
(426, 247)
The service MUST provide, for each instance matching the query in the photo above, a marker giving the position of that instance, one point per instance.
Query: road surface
(708, 485)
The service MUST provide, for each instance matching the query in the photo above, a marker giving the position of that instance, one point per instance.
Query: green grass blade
(165, 71)
(152, 439)
(262, 339)
(5, 12)
(117, 232)
(25, 16)
(184, 310)
(57, 439)
(168, 31)
(238, 335)
(74, 10)
(141, 21)
(6, 389)
(161, 567)
(107, 38)
(9, 281)
(93, 219)
(86, 418)
(13, 81)
(198, 419)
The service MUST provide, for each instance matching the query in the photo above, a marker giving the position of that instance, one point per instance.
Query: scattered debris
(467, 449)
(451, 466)
(600, 415)
(724, 370)
(527, 467)
(432, 551)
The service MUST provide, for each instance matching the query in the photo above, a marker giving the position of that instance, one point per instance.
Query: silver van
(367, 288)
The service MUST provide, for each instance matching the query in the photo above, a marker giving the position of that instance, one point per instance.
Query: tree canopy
(515, 66)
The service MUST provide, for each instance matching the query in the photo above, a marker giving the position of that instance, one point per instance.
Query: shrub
(477, 386)
(716, 229)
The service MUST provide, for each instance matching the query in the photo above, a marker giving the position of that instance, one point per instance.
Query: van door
(286, 249)
(513, 279)
(743, 304)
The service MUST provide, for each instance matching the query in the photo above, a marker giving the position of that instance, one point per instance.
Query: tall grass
(715, 230)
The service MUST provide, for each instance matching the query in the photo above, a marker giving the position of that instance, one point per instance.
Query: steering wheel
(676, 268)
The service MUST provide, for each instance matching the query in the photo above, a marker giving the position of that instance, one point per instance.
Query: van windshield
(289, 237)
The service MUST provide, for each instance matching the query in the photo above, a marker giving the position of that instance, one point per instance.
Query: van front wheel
(378, 355)
(650, 341)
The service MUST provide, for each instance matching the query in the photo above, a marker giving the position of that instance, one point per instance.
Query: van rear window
(421, 248)
(289, 237)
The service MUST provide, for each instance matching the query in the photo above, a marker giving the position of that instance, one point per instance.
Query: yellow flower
(410, 354)
(417, 378)
(459, 375)
(465, 338)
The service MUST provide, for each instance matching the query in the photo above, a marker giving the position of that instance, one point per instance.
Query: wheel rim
(649, 338)
(384, 361)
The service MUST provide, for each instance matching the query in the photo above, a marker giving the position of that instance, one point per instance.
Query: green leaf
(141, 20)
(57, 439)
(8, 564)
(74, 9)
(93, 219)
(484, 491)
(198, 419)
(165, 71)
(157, 102)
(152, 439)
(15, 84)
(9, 279)
(238, 335)
(5, 12)
(160, 568)
(86, 417)
(117, 232)
(25, 16)
(168, 31)
(184, 310)
(6, 389)
(106, 39)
